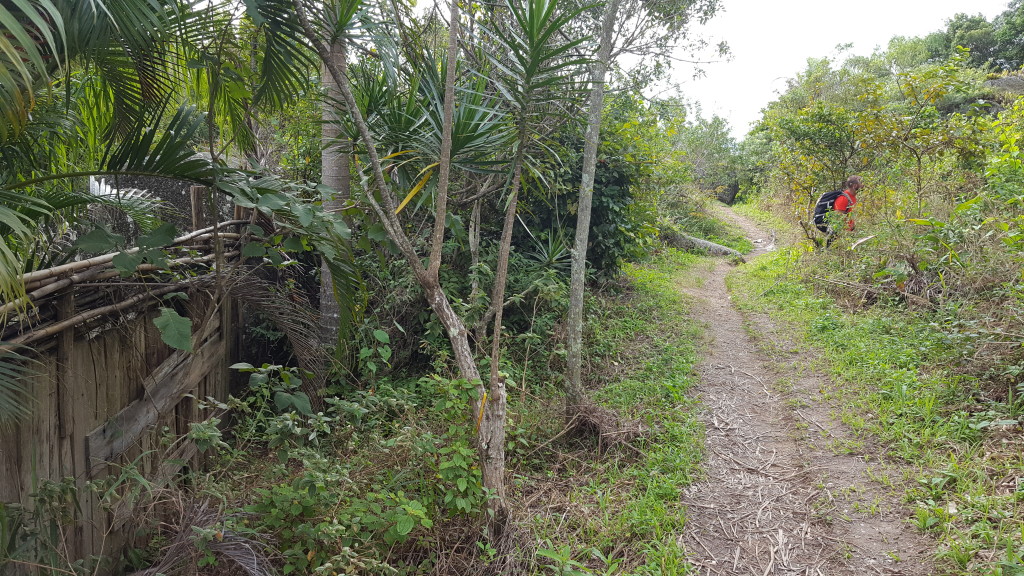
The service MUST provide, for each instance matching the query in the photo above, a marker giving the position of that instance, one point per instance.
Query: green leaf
(253, 250)
(342, 229)
(297, 401)
(404, 525)
(127, 262)
(376, 233)
(241, 366)
(175, 330)
(925, 222)
(304, 214)
(966, 205)
(158, 238)
(382, 336)
(272, 201)
(99, 241)
(293, 244)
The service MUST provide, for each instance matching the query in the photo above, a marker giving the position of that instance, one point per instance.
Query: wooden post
(200, 196)
(65, 391)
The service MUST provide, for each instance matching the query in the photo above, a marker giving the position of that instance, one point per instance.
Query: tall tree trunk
(491, 404)
(575, 393)
(492, 425)
(334, 171)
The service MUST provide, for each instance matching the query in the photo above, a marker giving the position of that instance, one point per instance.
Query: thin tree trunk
(491, 435)
(336, 177)
(575, 393)
(492, 425)
(480, 329)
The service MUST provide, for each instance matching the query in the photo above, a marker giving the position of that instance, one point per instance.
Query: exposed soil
(788, 489)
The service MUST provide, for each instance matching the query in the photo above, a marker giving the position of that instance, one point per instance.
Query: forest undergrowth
(385, 480)
(911, 382)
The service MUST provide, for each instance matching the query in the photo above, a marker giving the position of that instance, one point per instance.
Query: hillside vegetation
(919, 309)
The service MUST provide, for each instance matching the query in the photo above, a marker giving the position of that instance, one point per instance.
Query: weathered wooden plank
(84, 392)
(65, 346)
(64, 378)
(10, 464)
(164, 388)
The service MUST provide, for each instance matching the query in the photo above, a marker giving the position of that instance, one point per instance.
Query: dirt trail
(787, 489)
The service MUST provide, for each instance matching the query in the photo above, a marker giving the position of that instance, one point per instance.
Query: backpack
(825, 204)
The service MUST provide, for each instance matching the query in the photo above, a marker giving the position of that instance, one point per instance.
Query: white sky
(771, 41)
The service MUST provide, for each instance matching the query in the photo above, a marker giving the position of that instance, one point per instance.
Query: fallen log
(686, 242)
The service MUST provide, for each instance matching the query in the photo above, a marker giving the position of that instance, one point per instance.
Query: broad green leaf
(175, 330)
(127, 262)
(404, 525)
(253, 250)
(297, 401)
(376, 232)
(99, 241)
(158, 238)
(272, 201)
(382, 336)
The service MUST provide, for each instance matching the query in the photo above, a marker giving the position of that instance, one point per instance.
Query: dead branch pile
(98, 292)
(187, 518)
(611, 430)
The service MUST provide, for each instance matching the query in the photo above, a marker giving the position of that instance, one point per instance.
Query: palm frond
(286, 61)
(16, 400)
(33, 31)
(532, 57)
(481, 127)
(168, 153)
(17, 227)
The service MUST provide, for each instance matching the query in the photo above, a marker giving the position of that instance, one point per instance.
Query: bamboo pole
(81, 264)
(51, 285)
(84, 316)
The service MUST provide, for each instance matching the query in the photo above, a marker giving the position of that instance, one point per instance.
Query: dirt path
(788, 491)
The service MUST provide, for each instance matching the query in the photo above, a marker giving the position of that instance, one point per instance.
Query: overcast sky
(771, 41)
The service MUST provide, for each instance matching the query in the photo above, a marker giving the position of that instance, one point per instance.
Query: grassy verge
(963, 451)
(622, 514)
(702, 224)
(763, 219)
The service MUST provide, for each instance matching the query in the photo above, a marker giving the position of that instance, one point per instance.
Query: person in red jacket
(831, 204)
(845, 202)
